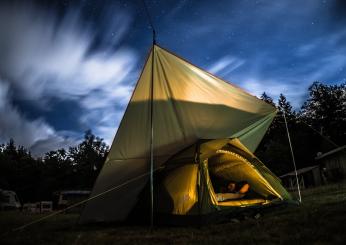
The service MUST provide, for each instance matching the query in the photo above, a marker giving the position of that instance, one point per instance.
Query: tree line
(36, 179)
(318, 126)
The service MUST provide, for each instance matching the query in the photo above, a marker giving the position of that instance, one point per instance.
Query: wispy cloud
(295, 92)
(34, 134)
(46, 57)
(54, 58)
(225, 65)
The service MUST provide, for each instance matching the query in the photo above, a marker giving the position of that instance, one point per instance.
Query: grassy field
(320, 219)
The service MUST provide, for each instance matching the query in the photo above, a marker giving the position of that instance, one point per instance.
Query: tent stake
(293, 160)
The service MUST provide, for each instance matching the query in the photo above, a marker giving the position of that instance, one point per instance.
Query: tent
(203, 128)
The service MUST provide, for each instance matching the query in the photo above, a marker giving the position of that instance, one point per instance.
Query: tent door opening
(235, 179)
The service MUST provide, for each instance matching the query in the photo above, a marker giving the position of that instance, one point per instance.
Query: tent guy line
(312, 128)
(293, 159)
(78, 203)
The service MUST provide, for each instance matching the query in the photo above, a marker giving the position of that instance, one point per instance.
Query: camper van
(9, 200)
(67, 198)
(38, 207)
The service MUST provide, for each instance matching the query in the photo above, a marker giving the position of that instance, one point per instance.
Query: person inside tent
(234, 191)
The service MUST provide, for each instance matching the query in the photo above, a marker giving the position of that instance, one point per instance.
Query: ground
(318, 220)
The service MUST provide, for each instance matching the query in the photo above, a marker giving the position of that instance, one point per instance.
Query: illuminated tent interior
(190, 188)
(204, 130)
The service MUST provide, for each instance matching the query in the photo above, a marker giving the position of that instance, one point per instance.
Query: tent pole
(151, 119)
(152, 135)
(292, 154)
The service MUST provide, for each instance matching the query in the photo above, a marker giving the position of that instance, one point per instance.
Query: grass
(318, 220)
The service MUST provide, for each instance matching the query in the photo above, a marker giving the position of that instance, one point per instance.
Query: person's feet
(245, 188)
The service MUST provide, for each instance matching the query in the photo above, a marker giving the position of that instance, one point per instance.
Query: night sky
(69, 66)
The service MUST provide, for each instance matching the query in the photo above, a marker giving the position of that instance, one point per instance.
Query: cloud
(255, 80)
(295, 92)
(4, 92)
(226, 65)
(36, 135)
(175, 10)
(46, 57)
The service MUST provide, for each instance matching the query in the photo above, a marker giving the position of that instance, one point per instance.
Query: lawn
(320, 219)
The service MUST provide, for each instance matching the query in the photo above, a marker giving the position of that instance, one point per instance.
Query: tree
(273, 149)
(325, 110)
(78, 167)
(19, 171)
(267, 99)
(284, 106)
(36, 179)
(88, 157)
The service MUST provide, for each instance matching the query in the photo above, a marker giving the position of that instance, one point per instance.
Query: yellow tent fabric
(208, 198)
(189, 104)
(181, 187)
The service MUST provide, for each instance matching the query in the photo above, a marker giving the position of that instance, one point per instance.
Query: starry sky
(69, 66)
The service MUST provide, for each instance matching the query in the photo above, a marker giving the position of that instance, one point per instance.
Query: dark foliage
(36, 179)
(325, 110)
(318, 127)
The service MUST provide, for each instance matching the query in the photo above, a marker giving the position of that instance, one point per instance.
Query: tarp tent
(195, 115)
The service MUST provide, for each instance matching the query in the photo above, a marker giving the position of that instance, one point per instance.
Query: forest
(318, 126)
